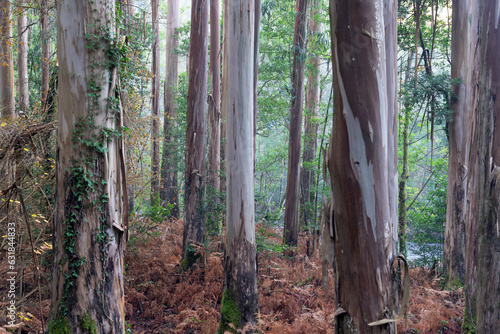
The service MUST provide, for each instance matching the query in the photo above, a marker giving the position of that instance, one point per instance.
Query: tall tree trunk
(240, 298)
(169, 192)
(464, 34)
(223, 121)
(7, 102)
(291, 232)
(214, 117)
(362, 163)
(87, 286)
(486, 156)
(22, 58)
(155, 109)
(258, 5)
(311, 123)
(402, 195)
(195, 175)
(44, 19)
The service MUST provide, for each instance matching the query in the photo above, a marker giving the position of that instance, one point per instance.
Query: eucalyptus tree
(169, 192)
(214, 115)
(484, 175)
(22, 57)
(195, 173)
(239, 304)
(363, 166)
(88, 225)
(155, 108)
(310, 119)
(464, 35)
(291, 232)
(45, 31)
(7, 102)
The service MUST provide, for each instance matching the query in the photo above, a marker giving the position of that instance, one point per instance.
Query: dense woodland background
(176, 186)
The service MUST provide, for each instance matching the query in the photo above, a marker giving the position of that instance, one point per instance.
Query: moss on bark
(230, 313)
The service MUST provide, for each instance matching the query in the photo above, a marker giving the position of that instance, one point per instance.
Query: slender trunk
(311, 123)
(195, 175)
(7, 102)
(291, 232)
(214, 119)
(239, 304)
(88, 238)
(486, 152)
(22, 58)
(44, 19)
(258, 5)
(155, 109)
(464, 32)
(362, 161)
(223, 121)
(402, 195)
(169, 191)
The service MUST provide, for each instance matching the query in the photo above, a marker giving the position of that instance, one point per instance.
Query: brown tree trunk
(214, 118)
(311, 123)
(291, 232)
(464, 35)
(195, 175)
(44, 19)
(486, 157)
(7, 102)
(240, 295)
(155, 109)
(362, 163)
(87, 286)
(22, 58)
(169, 191)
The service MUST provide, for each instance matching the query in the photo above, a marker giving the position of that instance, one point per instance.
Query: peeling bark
(362, 163)
(240, 254)
(88, 233)
(486, 158)
(195, 175)
(464, 33)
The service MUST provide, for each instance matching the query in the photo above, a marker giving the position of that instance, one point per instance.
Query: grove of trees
(364, 130)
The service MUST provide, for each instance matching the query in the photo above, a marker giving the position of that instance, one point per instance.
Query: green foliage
(88, 324)
(230, 313)
(59, 325)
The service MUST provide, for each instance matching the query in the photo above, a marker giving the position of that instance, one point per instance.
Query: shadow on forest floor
(161, 298)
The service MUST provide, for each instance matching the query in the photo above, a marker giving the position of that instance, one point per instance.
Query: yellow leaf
(26, 149)
(3, 124)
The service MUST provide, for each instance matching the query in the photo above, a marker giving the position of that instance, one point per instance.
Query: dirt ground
(161, 298)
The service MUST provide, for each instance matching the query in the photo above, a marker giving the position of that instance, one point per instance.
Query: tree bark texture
(291, 232)
(87, 286)
(310, 120)
(7, 102)
(240, 295)
(195, 175)
(44, 20)
(214, 115)
(486, 151)
(169, 192)
(464, 32)
(22, 58)
(155, 108)
(363, 166)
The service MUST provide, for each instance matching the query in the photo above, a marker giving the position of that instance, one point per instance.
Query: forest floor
(161, 298)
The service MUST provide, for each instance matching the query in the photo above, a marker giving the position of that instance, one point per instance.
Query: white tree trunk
(240, 284)
(87, 286)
